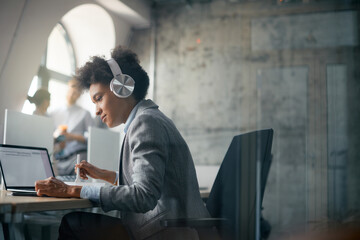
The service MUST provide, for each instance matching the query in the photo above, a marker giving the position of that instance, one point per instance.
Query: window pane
(28, 107)
(58, 94)
(90, 35)
(59, 53)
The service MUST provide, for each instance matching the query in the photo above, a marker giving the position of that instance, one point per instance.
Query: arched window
(57, 66)
(73, 40)
(60, 65)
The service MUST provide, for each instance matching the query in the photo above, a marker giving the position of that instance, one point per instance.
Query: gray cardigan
(158, 175)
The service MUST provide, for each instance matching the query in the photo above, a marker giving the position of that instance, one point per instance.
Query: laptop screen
(22, 166)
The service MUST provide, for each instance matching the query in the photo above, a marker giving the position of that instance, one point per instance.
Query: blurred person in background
(41, 99)
(72, 123)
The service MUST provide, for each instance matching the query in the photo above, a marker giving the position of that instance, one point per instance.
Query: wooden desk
(12, 209)
(21, 204)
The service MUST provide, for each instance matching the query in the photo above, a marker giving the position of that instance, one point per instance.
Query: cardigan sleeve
(148, 142)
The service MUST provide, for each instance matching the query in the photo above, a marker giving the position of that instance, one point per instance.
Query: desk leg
(2, 235)
(5, 218)
(16, 231)
(16, 227)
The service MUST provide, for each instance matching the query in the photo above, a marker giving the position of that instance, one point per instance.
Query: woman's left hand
(53, 187)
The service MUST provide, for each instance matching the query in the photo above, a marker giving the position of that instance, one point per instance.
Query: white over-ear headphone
(121, 85)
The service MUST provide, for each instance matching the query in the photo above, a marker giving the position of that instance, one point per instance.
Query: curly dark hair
(97, 70)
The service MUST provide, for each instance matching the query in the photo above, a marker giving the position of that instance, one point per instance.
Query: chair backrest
(233, 195)
(28, 130)
(104, 149)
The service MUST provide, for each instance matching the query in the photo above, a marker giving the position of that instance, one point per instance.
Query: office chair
(232, 200)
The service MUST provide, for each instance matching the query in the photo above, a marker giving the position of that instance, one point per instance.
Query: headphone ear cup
(122, 86)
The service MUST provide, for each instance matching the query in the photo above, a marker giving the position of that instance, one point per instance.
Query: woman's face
(112, 110)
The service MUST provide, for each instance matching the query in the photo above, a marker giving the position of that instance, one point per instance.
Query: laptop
(22, 166)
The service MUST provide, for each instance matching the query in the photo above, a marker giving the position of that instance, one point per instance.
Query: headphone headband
(115, 68)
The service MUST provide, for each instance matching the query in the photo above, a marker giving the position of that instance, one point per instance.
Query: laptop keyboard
(67, 178)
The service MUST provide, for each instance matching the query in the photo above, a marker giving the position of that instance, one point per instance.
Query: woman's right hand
(89, 170)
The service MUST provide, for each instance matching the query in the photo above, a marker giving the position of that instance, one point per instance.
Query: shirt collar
(131, 116)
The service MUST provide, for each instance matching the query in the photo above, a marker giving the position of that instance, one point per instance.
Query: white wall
(24, 29)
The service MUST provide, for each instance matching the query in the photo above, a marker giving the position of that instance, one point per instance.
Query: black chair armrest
(194, 222)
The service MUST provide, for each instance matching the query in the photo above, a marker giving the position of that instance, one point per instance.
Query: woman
(157, 178)
(41, 99)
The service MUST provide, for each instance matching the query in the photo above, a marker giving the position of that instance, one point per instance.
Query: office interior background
(217, 68)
